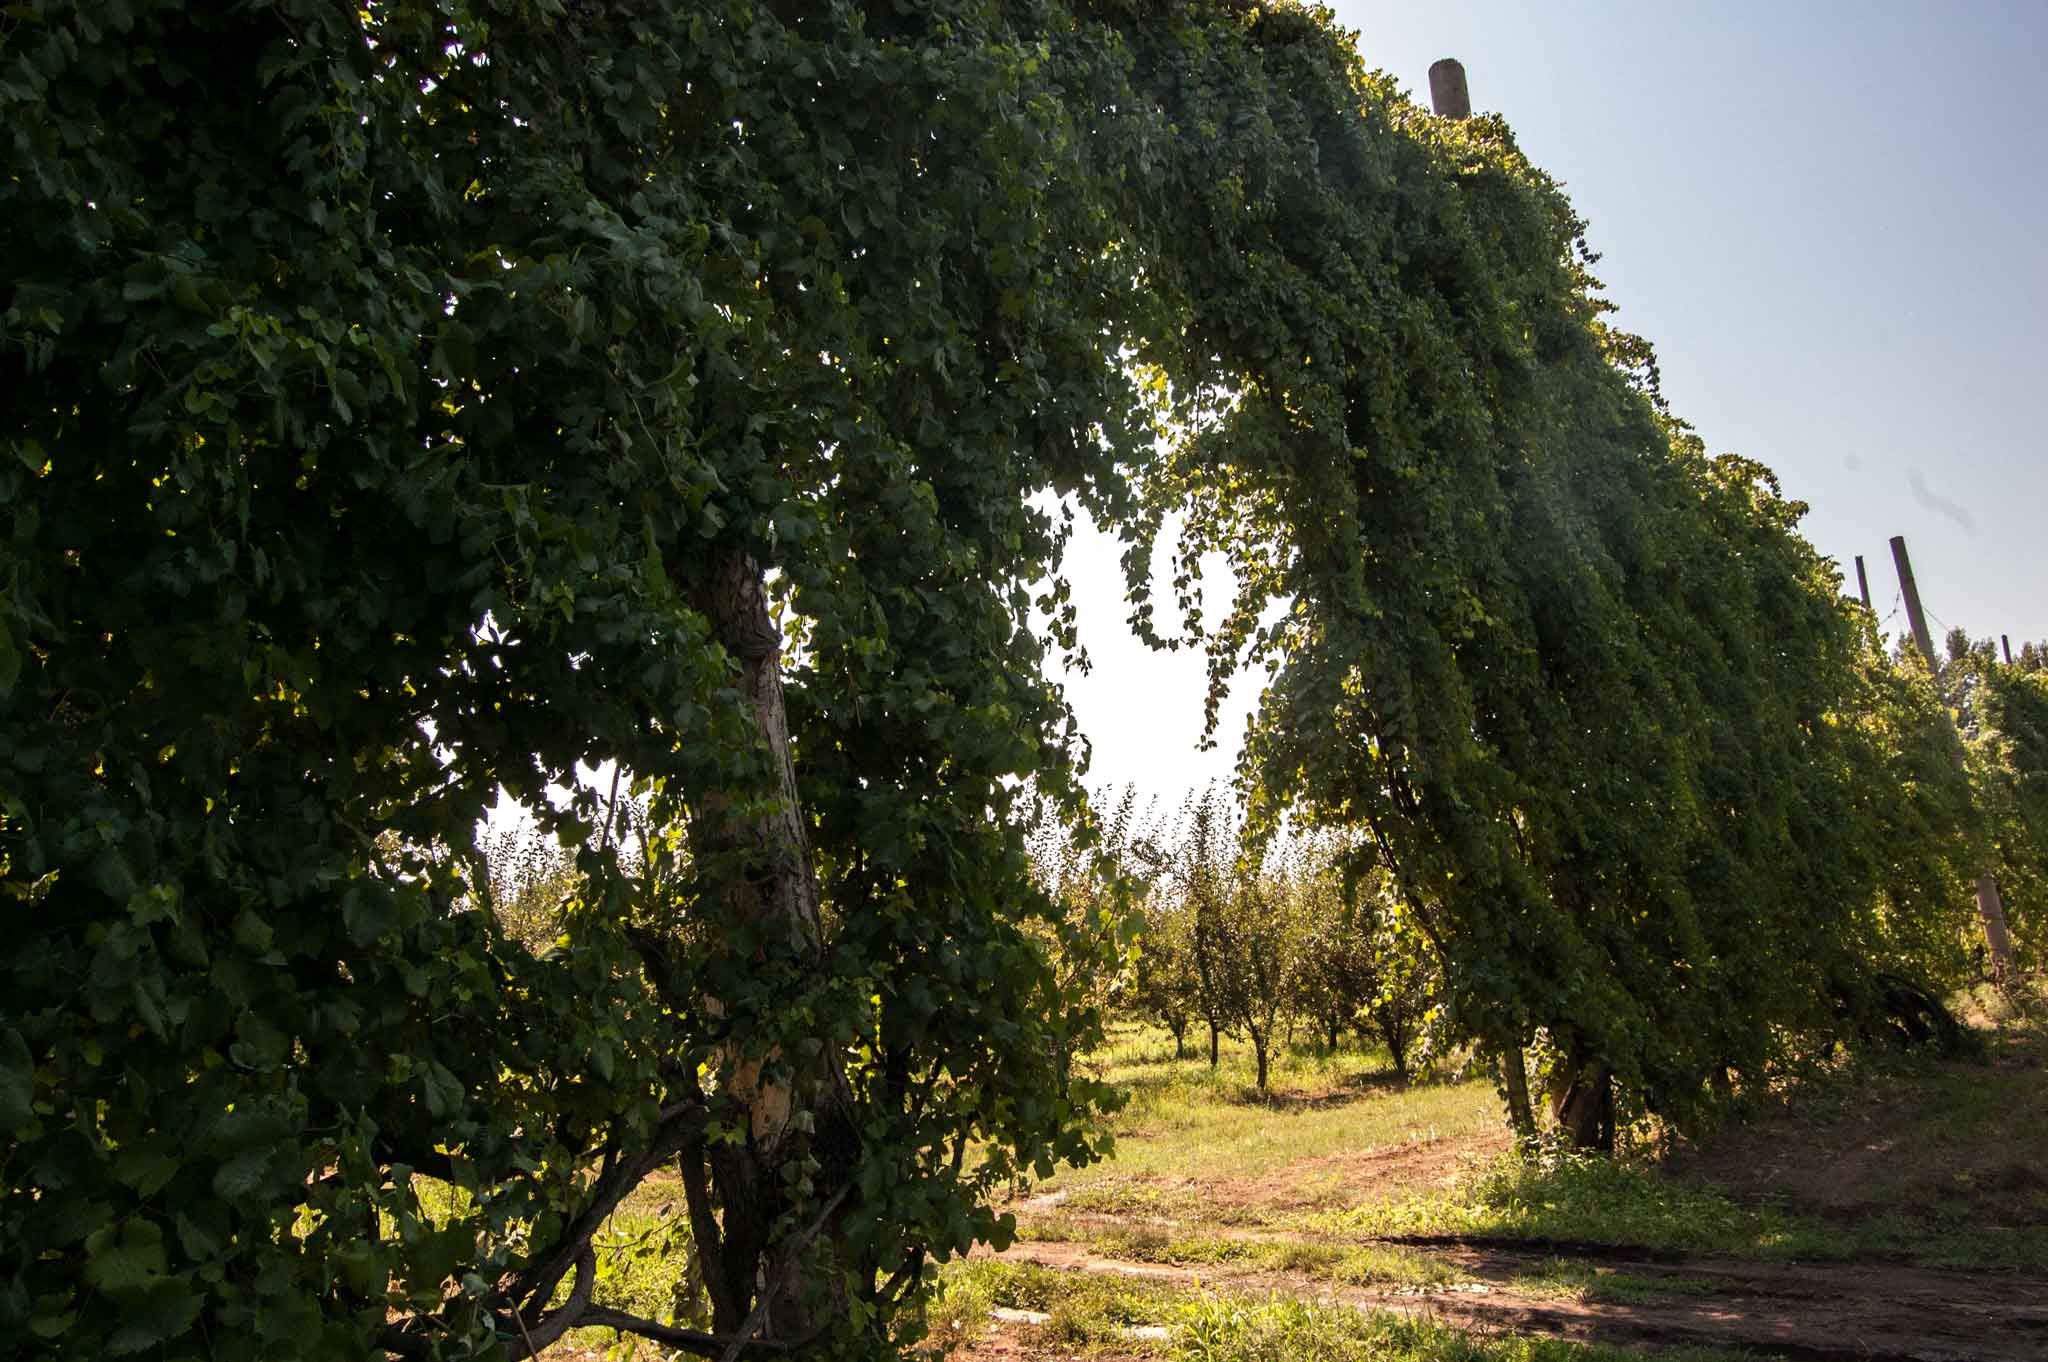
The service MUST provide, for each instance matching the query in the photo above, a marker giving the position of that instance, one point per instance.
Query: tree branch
(689, 1340)
(775, 1288)
(560, 1321)
(704, 1224)
(537, 1283)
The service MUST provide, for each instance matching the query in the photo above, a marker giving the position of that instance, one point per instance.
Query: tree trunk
(1259, 1039)
(1584, 1106)
(1336, 1025)
(1515, 1081)
(1991, 912)
(770, 887)
(1209, 1007)
(1180, 1041)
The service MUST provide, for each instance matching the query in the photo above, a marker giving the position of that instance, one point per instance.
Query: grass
(1912, 1157)
(958, 1311)
(1942, 1162)
(1097, 1314)
(1575, 1279)
(1220, 1329)
(1354, 1264)
(1625, 1204)
(1084, 1309)
(1568, 1198)
(1184, 1124)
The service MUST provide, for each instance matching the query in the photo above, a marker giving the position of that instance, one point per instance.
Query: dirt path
(1836, 1312)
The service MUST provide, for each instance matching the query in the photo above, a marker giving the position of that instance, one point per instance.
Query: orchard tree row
(411, 402)
(1238, 939)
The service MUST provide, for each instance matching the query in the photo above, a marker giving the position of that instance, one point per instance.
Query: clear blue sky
(1828, 217)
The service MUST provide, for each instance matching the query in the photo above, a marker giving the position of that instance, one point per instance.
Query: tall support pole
(1990, 910)
(2006, 643)
(1863, 585)
(1448, 95)
(1911, 591)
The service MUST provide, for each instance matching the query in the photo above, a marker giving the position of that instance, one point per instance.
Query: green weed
(957, 1313)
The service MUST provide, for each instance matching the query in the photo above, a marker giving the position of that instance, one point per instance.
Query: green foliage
(410, 403)
(1244, 921)
(2003, 717)
(1166, 986)
(532, 883)
(1582, 689)
(1093, 869)
(384, 390)
(1255, 940)
(1363, 963)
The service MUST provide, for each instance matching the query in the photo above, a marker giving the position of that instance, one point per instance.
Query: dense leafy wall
(1596, 704)
(2004, 722)
(385, 391)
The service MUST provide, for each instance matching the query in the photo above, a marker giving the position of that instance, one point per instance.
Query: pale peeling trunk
(780, 887)
(776, 889)
(1991, 911)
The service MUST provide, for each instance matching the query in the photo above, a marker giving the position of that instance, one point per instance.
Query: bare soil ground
(1323, 1181)
(1342, 1178)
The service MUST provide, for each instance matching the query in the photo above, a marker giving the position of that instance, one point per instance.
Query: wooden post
(1448, 95)
(1911, 592)
(1990, 910)
(2006, 643)
(1863, 584)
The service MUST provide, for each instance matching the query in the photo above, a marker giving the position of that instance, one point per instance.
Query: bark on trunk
(1991, 912)
(771, 890)
(1584, 1107)
(781, 888)
(1515, 1080)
